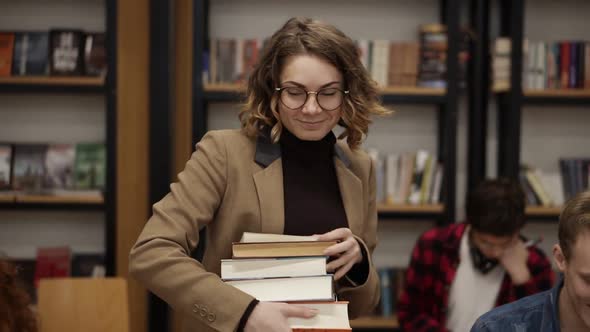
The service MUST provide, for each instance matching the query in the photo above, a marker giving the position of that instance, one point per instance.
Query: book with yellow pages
(259, 245)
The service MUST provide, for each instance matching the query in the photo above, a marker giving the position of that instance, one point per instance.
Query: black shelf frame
(52, 206)
(556, 100)
(447, 104)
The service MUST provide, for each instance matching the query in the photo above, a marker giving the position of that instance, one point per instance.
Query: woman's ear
(559, 258)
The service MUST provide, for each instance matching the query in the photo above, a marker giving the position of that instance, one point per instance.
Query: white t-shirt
(472, 292)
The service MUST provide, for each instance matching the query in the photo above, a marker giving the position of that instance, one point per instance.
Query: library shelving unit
(445, 100)
(511, 102)
(104, 86)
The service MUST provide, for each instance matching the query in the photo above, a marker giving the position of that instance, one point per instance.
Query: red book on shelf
(564, 66)
(53, 262)
(6, 50)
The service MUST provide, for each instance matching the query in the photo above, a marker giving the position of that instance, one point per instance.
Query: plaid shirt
(423, 304)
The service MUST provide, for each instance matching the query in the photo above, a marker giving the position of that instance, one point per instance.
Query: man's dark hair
(496, 207)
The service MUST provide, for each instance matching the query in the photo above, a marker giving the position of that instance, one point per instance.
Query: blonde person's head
(306, 36)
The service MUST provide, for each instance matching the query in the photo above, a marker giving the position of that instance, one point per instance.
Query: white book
(313, 288)
(272, 267)
(251, 237)
(331, 315)
(392, 178)
(436, 184)
(552, 182)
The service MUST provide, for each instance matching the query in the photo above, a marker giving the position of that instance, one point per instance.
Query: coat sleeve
(160, 259)
(364, 297)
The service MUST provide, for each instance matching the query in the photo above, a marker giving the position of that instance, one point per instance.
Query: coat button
(211, 317)
(203, 312)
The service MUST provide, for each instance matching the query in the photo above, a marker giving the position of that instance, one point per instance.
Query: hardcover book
(5, 166)
(6, 52)
(90, 166)
(95, 54)
(31, 53)
(66, 52)
(29, 167)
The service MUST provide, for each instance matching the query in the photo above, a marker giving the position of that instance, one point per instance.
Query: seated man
(566, 307)
(461, 271)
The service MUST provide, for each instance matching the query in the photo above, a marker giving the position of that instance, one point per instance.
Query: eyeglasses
(329, 99)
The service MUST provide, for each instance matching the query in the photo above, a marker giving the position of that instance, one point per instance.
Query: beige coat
(233, 184)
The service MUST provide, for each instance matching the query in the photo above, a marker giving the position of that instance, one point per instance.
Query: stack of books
(286, 268)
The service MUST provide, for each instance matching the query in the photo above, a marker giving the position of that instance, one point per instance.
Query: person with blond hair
(285, 172)
(566, 307)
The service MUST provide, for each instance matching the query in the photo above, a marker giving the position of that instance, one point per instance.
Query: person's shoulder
(226, 134)
(356, 155)
(524, 311)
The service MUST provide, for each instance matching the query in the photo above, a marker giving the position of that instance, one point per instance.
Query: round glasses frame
(316, 93)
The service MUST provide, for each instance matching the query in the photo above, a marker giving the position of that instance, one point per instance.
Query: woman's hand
(346, 252)
(272, 316)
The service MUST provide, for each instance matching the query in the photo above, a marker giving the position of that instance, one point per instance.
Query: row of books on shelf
(554, 188)
(407, 178)
(57, 169)
(286, 268)
(545, 65)
(390, 63)
(60, 52)
(57, 262)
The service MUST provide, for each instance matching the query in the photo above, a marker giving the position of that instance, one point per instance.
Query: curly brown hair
(15, 313)
(307, 36)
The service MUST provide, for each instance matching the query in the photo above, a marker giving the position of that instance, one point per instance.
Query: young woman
(283, 172)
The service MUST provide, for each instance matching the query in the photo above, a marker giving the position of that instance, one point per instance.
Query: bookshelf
(512, 102)
(66, 104)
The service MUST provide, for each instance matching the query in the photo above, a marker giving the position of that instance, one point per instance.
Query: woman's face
(310, 122)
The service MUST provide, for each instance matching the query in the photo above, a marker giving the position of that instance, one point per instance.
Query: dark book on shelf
(59, 165)
(5, 166)
(30, 55)
(95, 54)
(6, 52)
(65, 52)
(90, 166)
(86, 265)
(29, 171)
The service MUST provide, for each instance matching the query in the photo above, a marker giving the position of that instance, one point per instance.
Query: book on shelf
(272, 267)
(29, 167)
(65, 52)
(53, 262)
(59, 165)
(90, 166)
(95, 54)
(31, 51)
(5, 166)
(6, 53)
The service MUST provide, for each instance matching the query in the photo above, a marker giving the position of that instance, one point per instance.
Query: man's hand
(272, 316)
(347, 252)
(514, 261)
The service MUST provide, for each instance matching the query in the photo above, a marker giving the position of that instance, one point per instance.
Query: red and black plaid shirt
(423, 304)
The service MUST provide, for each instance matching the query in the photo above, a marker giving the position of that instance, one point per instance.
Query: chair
(83, 304)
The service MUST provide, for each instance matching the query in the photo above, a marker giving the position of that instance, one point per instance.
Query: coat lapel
(269, 186)
(351, 189)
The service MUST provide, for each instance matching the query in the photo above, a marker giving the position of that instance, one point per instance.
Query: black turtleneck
(313, 204)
